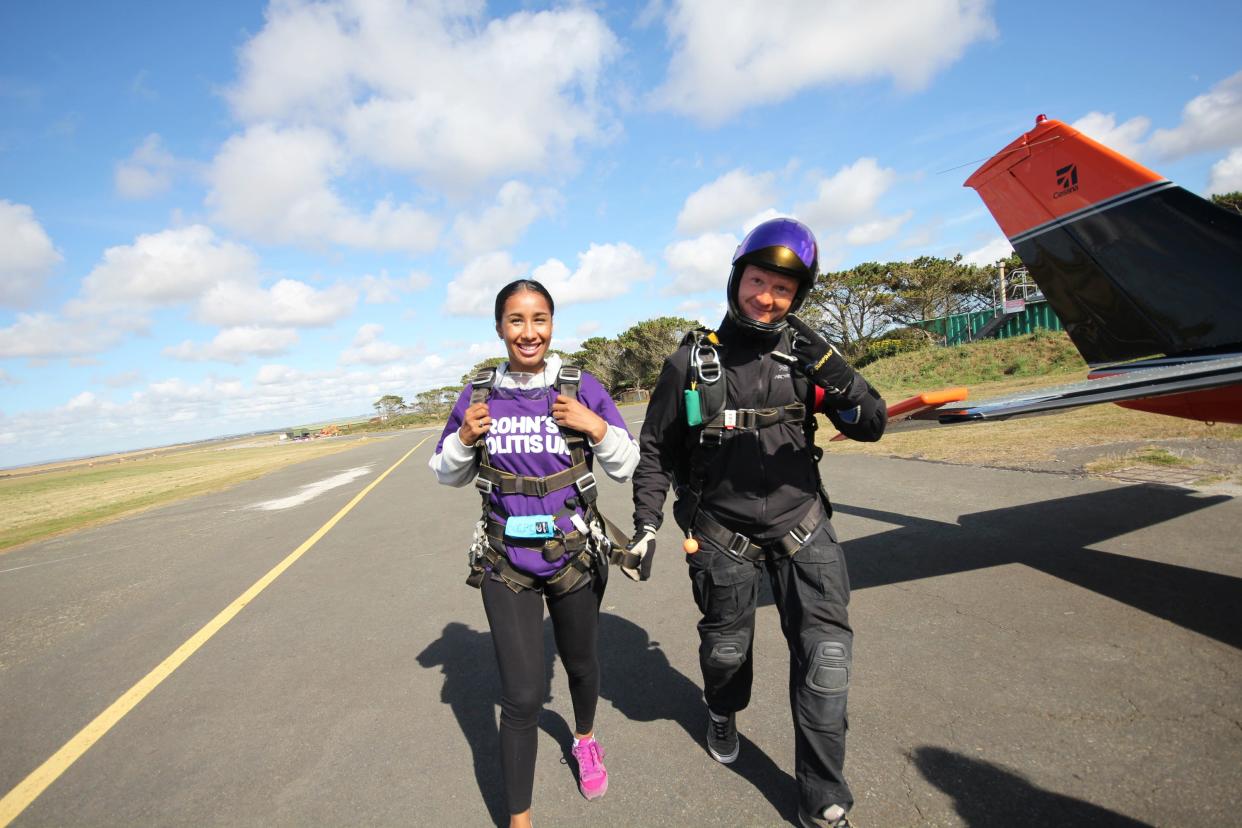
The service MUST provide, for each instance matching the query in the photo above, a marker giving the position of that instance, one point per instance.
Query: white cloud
(991, 252)
(288, 303)
(235, 345)
(873, 232)
(701, 263)
(41, 335)
(1227, 173)
(725, 202)
(473, 292)
(587, 328)
(27, 256)
(604, 271)
(1210, 121)
(123, 379)
(504, 222)
(728, 57)
(274, 185)
(431, 88)
(165, 268)
(147, 172)
(383, 289)
(369, 349)
(1126, 138)
(848, 196)
(759, 218)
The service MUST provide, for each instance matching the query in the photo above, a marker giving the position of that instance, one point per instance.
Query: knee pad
(726, 649)
(828, 668)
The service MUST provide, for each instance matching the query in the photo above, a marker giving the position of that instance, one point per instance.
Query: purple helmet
(783, 245)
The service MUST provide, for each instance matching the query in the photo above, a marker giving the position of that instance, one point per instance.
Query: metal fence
(967, 327)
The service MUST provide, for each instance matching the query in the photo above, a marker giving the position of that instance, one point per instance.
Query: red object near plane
(1145, 276)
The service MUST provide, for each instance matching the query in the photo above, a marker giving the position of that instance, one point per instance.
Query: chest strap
(491, 479)
(738, 545)
(749, 419)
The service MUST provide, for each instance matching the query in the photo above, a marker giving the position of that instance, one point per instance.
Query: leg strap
(737, 544)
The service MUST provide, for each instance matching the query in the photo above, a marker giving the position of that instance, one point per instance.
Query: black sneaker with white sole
(722, 741)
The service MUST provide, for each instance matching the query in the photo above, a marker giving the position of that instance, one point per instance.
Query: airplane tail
(1133, 264)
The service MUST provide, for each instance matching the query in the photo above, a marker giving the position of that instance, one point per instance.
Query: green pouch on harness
(531, 527)
(694, 407)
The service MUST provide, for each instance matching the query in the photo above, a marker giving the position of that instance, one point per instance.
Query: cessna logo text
(1067, 180)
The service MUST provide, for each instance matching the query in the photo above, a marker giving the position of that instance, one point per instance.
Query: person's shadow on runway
(472, 691)
(986, 794)
(636, 677)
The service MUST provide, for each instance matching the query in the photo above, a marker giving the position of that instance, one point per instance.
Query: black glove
(815, 357)
(642, 547)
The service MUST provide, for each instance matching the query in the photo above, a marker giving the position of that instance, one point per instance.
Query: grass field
(41, 502)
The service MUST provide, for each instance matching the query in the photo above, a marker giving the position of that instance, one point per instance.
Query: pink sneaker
(592, 775)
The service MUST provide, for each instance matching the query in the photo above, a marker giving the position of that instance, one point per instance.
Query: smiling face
(765, 295)
(526, 327)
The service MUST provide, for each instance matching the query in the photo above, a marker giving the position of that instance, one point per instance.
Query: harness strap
(491, 479)
(750, 419)
(573, 541)
(564, 580)
(737, 544)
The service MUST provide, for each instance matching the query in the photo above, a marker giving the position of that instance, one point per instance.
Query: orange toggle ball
(690, 545)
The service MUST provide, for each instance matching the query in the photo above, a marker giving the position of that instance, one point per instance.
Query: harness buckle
(484, 486)
(747, 418)
(738, 544)
(802, 538)
(585, 483)
(730, 418)
(570, 373)
(706, 363)
(710, 437)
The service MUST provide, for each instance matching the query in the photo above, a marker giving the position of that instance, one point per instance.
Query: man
(730, 426)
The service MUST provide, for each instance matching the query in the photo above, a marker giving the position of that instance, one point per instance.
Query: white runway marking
(313, 490)
(45, 563)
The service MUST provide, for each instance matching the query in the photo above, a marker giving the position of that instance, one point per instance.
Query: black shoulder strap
(481, 385)
(805, 391)
(567, 381)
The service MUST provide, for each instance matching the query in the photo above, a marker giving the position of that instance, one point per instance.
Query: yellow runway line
(18, 799)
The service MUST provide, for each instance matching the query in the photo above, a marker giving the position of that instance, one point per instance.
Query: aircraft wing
(1128, 383)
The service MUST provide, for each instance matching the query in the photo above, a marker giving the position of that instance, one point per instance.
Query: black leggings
(516, 619)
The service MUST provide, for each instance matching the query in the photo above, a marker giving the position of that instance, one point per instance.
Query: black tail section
(1133, 264)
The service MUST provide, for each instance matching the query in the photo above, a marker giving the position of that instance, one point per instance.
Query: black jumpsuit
(761, 484)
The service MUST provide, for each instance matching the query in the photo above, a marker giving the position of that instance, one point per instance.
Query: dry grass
(37, 503)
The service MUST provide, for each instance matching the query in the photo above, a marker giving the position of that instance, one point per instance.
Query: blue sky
(219, 217)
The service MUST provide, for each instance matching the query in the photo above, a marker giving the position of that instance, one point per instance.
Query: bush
(881, 348)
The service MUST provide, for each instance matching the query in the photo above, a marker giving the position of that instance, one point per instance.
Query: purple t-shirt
(525, 440)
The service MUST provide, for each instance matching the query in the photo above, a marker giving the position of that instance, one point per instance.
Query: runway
(1031, 649)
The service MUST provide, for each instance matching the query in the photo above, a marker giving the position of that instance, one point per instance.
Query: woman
(528, 446)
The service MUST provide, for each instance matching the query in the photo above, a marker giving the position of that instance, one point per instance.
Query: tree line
(867, 311)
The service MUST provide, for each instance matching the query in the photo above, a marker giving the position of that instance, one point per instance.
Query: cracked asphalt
(1031, 649)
